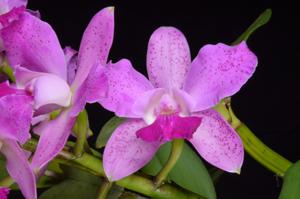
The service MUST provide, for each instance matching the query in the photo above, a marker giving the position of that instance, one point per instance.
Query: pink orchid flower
(3, 192)
(176, 103)
(42, 69)
(15, 117)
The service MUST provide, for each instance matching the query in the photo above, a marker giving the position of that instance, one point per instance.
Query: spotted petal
(217, 142)
(19, 169)
(125, 87)
(217, 72)
(54, 135)
(16, 114)
(33, 44)
(168, 58)
(124, 153)
(95, 44)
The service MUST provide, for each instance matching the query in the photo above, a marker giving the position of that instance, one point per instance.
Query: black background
(269, 103)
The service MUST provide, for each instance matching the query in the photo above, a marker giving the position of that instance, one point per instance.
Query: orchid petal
(217, 142)
(125, 87)
(93, 89)
(217, 72)
(72, 66)
(6, 89)
(11, 15)
(95, 44)
(168, 127)
(33, 44)
(7, 5)
(19, 169)
(16, 114)
(4, 192)
(54, 135)
(47, 89)
(124, 153)
(168, 58)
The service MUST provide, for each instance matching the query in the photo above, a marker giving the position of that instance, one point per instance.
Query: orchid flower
(3, 192)
(8, 10)
(15, 117)
(176, 103)
(42, 69)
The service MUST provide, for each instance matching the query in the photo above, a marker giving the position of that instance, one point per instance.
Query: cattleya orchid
(57, 79)
(176, 103)
(15, 117)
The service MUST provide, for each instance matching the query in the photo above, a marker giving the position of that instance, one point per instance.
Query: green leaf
(260, 21)
(189, 171)
(107, 130)
(79, 184)
(71, 189)
(291, 183)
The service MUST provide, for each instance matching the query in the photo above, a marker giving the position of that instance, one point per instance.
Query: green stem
(104, 189)
(262, 153)
(177, 146)
(6, 182)
(253, 146)
(93, 164)
(81, 133)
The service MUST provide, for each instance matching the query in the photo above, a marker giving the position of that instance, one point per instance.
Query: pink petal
(4, 192)
(6, 89)
(93, 89)
(217, 142)
(7, 5)
(72, 66)
(168, 58)
(54, 135)
(47, 89)
(33, 44)
(169, 127)
(19, 169)
(124, 153)
(219, 71)
(95, 44)
(125, 87)
(9, 15)
(16, 114)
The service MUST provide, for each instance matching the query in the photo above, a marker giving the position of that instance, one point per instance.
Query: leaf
(107, 130)
(291, 183)
(70, 189)
(79, 184)
(260, 21)
(189, 171)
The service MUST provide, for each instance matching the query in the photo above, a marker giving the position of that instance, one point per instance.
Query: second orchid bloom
(175, 103)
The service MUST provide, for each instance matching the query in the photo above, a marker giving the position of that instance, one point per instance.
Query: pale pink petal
(33, 44)
(4, 192)
(169, 127)
(217, 142)
(47, 89)
(124, 153)
(168, 58)
(15, 117)
(54, 135)
(125, 87)
(19, 169)
(217, 72)
(95, 44)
